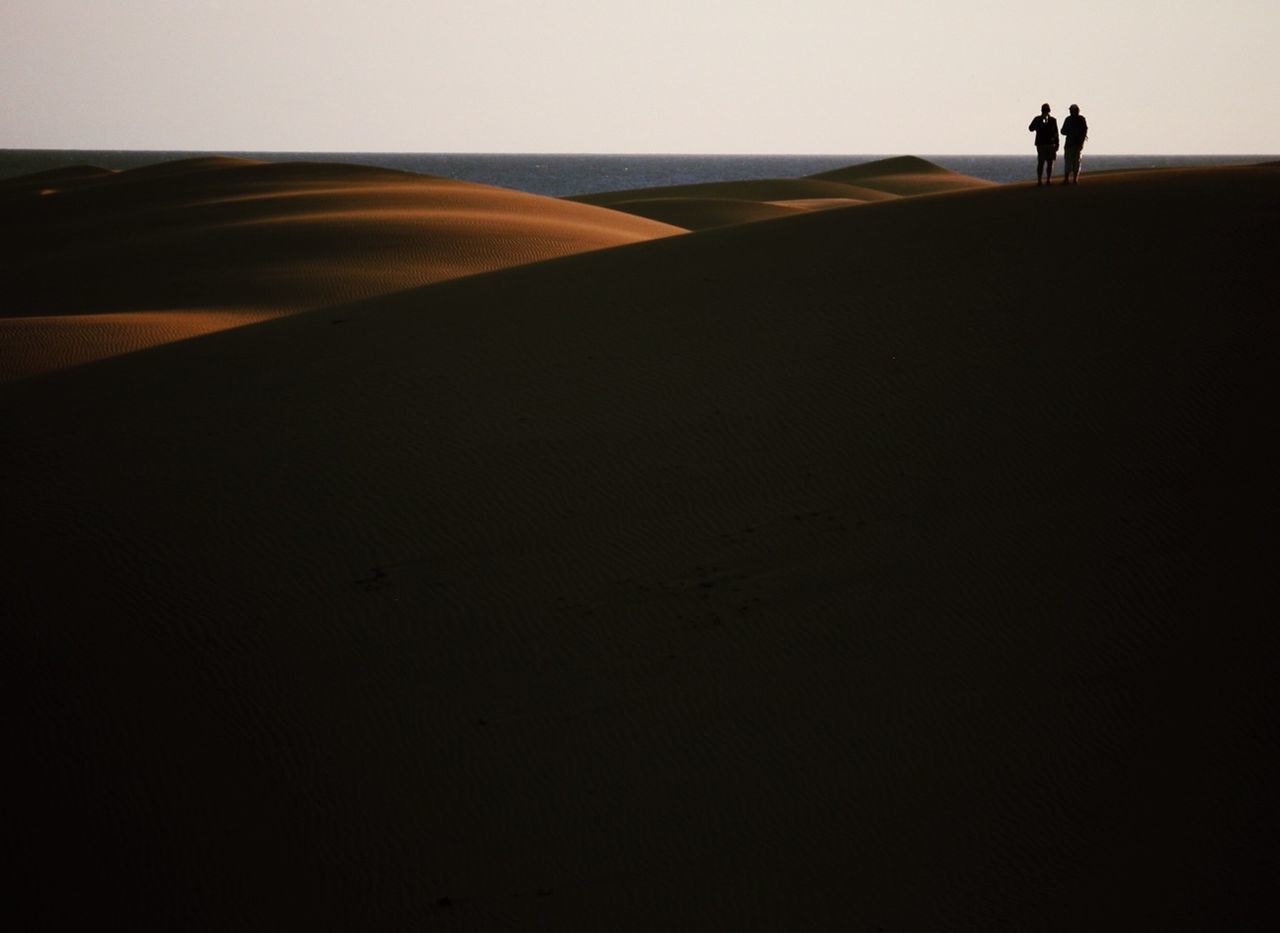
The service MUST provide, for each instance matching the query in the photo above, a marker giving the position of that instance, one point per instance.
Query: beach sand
(909, 566)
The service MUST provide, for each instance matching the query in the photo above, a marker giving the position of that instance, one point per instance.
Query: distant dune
(853, 570)
(97, 263)
(694, 213)
(904, 176)
(718, 204)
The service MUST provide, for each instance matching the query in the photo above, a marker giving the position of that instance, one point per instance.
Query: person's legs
(1044, 164)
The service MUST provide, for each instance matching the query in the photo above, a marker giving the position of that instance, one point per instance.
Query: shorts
(1073, 159)
(1047, 153)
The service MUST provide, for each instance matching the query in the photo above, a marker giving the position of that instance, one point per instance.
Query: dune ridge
(845, 571)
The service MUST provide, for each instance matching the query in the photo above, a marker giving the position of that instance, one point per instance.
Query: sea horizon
(568, 174)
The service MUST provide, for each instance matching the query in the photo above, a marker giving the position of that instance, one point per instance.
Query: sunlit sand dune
(855, 570)
(30, 345)
(112, 262)
(708, 205)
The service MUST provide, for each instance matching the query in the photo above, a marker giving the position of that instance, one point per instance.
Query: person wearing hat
(1076, 130)
(1046, 129)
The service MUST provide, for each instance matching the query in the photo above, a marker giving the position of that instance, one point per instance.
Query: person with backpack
(1046, 129)
(1076, 130)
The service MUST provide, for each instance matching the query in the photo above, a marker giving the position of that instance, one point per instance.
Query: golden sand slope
(130, 259)
(718, 204)
(857, 570)
(30, 345)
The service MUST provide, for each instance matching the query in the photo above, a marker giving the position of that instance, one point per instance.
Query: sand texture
(718, 204)
(97, 263)
(906, 567)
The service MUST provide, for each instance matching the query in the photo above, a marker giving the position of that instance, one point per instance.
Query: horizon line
(496, 152)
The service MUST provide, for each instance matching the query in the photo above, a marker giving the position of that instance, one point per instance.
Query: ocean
(565, 175)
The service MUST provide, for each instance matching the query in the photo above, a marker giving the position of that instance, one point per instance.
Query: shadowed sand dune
(904, 176)
(718, 204)
(700, 213)
(856, 570)
(53, 180)
(98, 263)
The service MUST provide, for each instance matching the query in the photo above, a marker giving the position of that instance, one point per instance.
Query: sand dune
(54, 180)
(214, 241)
(31, 345)
(905, 176)
(881, 180)
(855, 570)
(761, 189)
(817, 204)
(693, 213)
(704, 213)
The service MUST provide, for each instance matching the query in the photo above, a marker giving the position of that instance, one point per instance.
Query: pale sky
(636, 76)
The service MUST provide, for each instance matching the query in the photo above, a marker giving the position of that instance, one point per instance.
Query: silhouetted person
(1076, 130)
(1046, 129)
